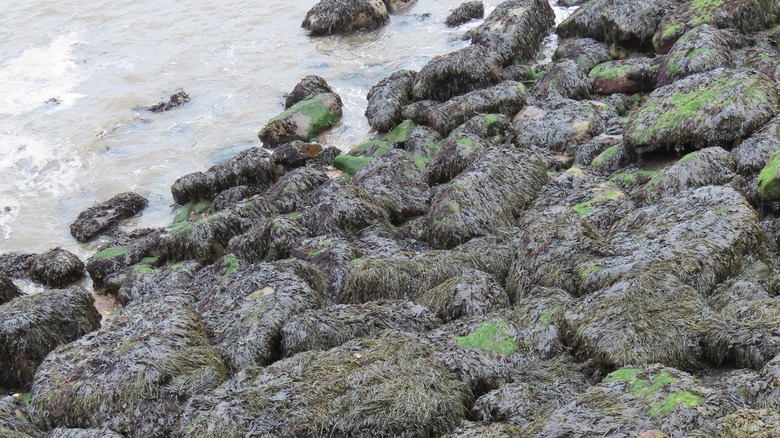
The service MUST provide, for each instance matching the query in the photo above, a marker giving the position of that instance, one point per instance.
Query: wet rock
(754, 153)
(650, 398)
(177, 99)
(469, 429)
(16, 265)
(564, 79)
(95, 220)
(627, 23)
(455, 154)
(335, 325)
(708, 166)
(81, 433)
(247, 307)
(310, 86)
(495, 128)
(269, 241)
(559, 128)
(744, 423)
(587, 154)
(474, 293)
(144, 282)
(388, 98)
(304, 120)
(334, 256)
(296, 153)
(154, 356)
(702, 49)
(421, 112)
(471, 10)
(292, 192)
(404, 392)
(33, 325)
(345, 16)
(459, 72)
(232, 196)
(56, 268)
(341, 208)
(745, 15)
(769, 179)
(585, 52)
(513, 32)
(105, 267)
(15, 421)
(741, 333)
(631, 75)
(484, 198)
(423, 142)
(253, 167)
(716, 108)
(538, 317)
(504, 98)
(8, 289)
(396, 6)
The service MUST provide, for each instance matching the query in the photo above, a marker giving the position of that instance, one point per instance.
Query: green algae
(605, 157)
(673, 400)
(294, 215)
(350, 164)
(231, 264)
(589, 271)
(608, 70)
(114, 251)
(769, 178)
(399, 134)
(642, 388)
(316, 109)
(491, 337)
(144, 269)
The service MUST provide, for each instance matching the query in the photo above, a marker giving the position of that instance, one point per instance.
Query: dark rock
(310, 86)
(504, 98)
(754, 153)
(396, 6)
(741, 334)
(16, 265)
(130, 376)
(455, 153)
(630, 75)
(296, 153)
(95, 220)
(470, 294)
(560, 128)
(564, 79)
(15, 421)
(33, 325)
(56, 267)
(468, 69)
(341, 208)
(388, 98)
(144, 283)
(253, 167)
(494, 128)
(471, 10)
(233, 196)
(106, 265)
(585, 52)
(421, 112)
(334, 256)
(178, 99)
(269, 241)
(423, 142)
(8, 289)
(304, 120)
(292, 192)
(702, 49)
(345, 16)
(708, 166)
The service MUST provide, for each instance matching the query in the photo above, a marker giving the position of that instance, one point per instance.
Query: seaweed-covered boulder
(333, 255)
(253, 167)
(387, 386)
(473, 293)
(33, 325)
(344, 16)
(563, 79)
(231, 196)
(538, 317)
(745, 15)
(341, 208)
(308, 87)
(470, 429)
(15, 421)
(624, 76)
(585, 52)
(470, 10)
(95, 220)
(708, 166)
(177, 99)
(627, 23)
(269, 241)
(247, 307)
(702, 49)
(454, 154)
(63, 432)
(647, 398)
(132, 375)
(292, 192)
(330, 327)
(468, 69)
(769, 179)
(296, 153)
(742, 333)
(396, 6)
(754, 153)
(717, 108)
(143, 282)
(422, 142)
(388, 98)
(505, 98)
(484, 198)
(513, 32)
(8, 290)
(743, 423)
(16, 265)
(106, 267)
(495, 128)
(560, 128)
(57, 268)
(304, 120)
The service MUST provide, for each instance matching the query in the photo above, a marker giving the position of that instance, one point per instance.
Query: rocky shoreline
(583, 248)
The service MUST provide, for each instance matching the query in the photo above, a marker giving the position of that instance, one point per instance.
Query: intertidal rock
(177, 99)
(310, 86)
(8, 290)
(304, 120)
(585, 52)
(468, 69)
(505, 98)
(702, 49)
(471, 10)
(56, 268)
(388, 98)
(95, 220)
(454, 154)
(345, 16)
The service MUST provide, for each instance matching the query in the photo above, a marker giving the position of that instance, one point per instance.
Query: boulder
(16, 265)
(397, 6)
(292, 192)
(561, 127)
(423, 142)
(741, 334)
(296, 153)
(345, 16)
(454, 154)
(702, 49)
(143, 282)
(15, 421)
(341, 208)
(334, 256)
(388, 98)
(769, 179)
(473, 293)
(630, 75)
(306, 119)
(494, 128)
(744, 423)
(56, 268)
(8, 290)
(585, 52)
(95, 220)
(470, 10)
(754, 153)
(269, 241)
(705, 167)
(177, 99)
(310, 86)
(563, 79)
(504, 98)
(446, 76)
(106, 266)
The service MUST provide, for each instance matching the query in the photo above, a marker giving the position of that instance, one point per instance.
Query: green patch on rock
(605, 157)
(373, 148)
(688, 157)
(491, 337)
(144, 269)
(608, 70)
(399, 134)
(350, 164)
(294, 215)
(769, 179)
(671, 30)
(648, 390)
(421, 161)
(491, 119)
(176, 266)
(765, 58)
(585, 208)
(589, 271)
(317, 111)
(699, 51)
(183, 215)
(545, 318)
(358, 262)
(673, 400)
(231, 264)
(108, 253)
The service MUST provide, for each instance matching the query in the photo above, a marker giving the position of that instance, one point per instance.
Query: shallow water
(73, 75)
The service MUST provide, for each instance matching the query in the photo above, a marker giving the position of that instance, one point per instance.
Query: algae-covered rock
(95, 220)
(341, 208)
(467, 11)
(231, 196)
(296, 153)
(8, 290)
(253, 167)
(473, 293)
(630, 401)
(600, 153)
(743, 333)
(310, 86)
(769, 179)
(702, 49)
(585, 52)
(744, 423)
(454, 154)
(15, 421)
(330, 327)
(106, 266)
(344, 16)
(398, 6)
(484, 198)
(505, 98)
(388, 98)
(514, 30)
(246, 309)
(332, 255)
(130, 376)
(470, 429)
(563, 79)
(717, 108)
(292, 192)
(538, 317)
(16, 265)
(57, 268)
(624, 76)
(423, 142)
(753, 154)
(33, 325)
(708, 166)
(388, 386)
(62, 432)
(304, 120)
(561, 127)
(444, 77)
(269, 241)
(495, 128)
(143, 282)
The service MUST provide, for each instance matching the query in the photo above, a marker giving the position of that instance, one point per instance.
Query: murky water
(73, 75)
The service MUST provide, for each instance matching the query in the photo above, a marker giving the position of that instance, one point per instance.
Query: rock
(585, 52)
(717, 108)
(306, 119)
(322, 329)
(405, 391)
(105, 267)
(708, 166)
(310, 86)
(269, 241)
(292, 192)
(33, 325)
(559, 128)
(345, 16)
(340, 208)
(15, 421)
(769, 179)
(56, 268)
(539, 321)
(631, 75)
(253, 167)
(627, 23)
(154, 356)
(504, 98)
(333, 255)
(177, 99)
(388, 98)
(454, 154)
(702, 49)
(92, 222)
(16, 265)
(469, 429)
(564, 79)
(744, 423)
(494, 128)
(474, 293)
(81, 433)
(8, 290)
(143, 282)
(444, 77)
(741, 334)
(423, 142)
(296, 153)
(594, 152)
(396, 6)
(470, 10)
(513, 32)
(231, 196)
(754, 152)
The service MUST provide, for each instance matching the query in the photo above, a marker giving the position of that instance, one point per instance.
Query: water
(73, 75)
